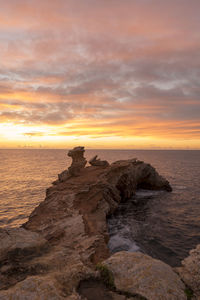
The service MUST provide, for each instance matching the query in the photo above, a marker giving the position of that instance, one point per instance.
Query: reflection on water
(168, 223)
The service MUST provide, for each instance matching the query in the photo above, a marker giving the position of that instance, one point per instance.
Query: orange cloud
(124, 70)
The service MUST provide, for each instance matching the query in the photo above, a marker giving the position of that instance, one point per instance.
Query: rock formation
(78, 163)
(78, 160)
(98, 162)
(57, 249)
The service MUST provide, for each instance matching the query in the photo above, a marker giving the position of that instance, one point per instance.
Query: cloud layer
(99, 69)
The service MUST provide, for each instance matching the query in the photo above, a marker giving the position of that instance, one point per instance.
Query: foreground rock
(33, 288)
(137, 273)
(66, 235)
(19, 248)
(190, 271)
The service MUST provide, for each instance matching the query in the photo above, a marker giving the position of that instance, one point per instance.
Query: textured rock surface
(18, 252)
(190, 271)
(66, 235)
(97, 162)
(78, 160)
(33, 288)
(78, 163)
(27, 243)
(137, 273)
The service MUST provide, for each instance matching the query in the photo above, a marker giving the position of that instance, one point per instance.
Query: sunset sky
(100, 73)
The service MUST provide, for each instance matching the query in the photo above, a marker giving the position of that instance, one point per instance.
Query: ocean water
(164, 225)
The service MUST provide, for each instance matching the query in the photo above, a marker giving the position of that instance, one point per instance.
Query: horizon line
(121, 149)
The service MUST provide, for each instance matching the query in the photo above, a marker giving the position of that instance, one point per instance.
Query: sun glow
(23, 136)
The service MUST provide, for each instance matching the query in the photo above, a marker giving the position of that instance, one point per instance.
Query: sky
(100, 73)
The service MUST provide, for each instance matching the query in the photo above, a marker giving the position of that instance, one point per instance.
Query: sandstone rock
(18, 248)
(34, 288)
(20, 242)
(128, 175)
(137, 273)
(78, 160)
(78, 163)
(73, 215)
(98, 162)
(66, 235)
(190, 271)
(62, 177)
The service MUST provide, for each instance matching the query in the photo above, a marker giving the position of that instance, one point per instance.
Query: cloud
(34, 134)
(125, 67)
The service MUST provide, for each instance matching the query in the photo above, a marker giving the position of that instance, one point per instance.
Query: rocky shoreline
(61, 251)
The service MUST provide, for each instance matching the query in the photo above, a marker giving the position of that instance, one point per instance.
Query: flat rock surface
(137, 273)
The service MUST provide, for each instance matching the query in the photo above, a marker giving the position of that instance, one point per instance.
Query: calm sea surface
(165, 225)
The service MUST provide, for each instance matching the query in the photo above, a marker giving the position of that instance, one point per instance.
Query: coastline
(66, 235)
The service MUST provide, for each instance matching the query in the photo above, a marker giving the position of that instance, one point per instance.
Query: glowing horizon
(100, 74)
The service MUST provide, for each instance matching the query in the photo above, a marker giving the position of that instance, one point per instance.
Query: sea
(162, 224)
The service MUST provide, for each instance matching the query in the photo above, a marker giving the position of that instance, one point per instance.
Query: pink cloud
(108, 63)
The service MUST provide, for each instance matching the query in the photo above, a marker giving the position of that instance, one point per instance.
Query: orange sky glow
(103, 74)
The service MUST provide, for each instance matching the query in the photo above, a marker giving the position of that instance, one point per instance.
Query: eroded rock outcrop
(68, 229)
(78, 163)
(78, 160)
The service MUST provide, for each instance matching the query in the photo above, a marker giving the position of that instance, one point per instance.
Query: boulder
(190, 271)
(140, 274)
(98, 162)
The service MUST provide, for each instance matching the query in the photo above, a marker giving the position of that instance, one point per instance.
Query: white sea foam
(119, 243)
(141, 193)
